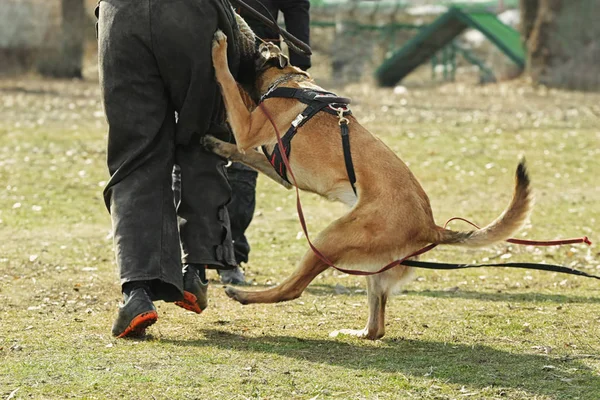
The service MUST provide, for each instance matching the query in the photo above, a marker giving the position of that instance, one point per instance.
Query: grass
(483, 334)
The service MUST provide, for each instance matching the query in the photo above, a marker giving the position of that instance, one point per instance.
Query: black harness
(316, 101)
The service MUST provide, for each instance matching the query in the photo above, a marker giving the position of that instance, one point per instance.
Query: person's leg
(204, 221)
(183, 52)
(241, 210)
(203, 216)
(140, 160)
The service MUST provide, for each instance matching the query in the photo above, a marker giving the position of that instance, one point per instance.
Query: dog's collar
(276, 83)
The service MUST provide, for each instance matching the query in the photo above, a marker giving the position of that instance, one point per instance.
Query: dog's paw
(210, 143)
(235, 294)
(219, 147)
(219, 39)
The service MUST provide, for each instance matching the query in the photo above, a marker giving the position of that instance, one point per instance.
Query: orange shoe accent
(189, 303)
(138, 325)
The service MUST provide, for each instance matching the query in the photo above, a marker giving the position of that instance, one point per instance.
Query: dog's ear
(264, 55)
(275, 52)
(283, 60)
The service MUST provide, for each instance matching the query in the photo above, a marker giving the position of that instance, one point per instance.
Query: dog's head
(269, 63)
(270, 55)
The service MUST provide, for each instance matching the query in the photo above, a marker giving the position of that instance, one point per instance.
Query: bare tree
(563, 45)
(67, 60)
(529, 10)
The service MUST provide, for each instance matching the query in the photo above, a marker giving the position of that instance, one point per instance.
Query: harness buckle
(298, 120)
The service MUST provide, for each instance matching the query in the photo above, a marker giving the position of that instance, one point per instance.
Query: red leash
(558, 242)
(393, 264)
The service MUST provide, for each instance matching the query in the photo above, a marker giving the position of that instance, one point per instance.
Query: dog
(390, 216)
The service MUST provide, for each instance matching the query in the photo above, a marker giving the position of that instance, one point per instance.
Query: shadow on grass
(507, 297)
(330, 290)
(476, 366)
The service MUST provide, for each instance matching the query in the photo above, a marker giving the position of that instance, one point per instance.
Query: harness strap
(348, 155)
(304, 95)
(275, 158)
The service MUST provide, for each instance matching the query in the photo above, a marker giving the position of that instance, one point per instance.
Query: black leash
(541, 267)
(295, 44)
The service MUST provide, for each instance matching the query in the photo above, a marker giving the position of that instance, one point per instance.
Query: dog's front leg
(245, 125)
(252, 158)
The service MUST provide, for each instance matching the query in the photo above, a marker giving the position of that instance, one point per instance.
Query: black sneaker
(135, 315)
(232, 276)
(195, 291)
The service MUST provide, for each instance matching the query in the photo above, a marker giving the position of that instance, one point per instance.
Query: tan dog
(390, 219)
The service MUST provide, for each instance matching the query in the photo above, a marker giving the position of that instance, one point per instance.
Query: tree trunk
(541, 42)
(67, 61)
(529, 12)
(563, 42)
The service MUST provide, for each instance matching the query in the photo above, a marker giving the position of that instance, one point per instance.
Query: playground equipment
(366, 30)
(441, 33)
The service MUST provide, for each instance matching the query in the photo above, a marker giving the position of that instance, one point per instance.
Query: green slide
(440, 33)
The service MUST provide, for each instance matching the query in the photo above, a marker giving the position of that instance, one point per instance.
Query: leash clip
(340, 112)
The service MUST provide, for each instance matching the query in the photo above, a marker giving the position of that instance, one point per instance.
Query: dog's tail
(504, 226)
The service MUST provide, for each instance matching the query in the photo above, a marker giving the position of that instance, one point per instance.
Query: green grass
(482, 334)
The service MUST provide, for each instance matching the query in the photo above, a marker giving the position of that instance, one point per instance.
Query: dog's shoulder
(308, 84)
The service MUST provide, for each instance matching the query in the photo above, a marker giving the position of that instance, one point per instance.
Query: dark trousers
(297, 22)
(242, 180)
(155, 60)
(241, 209)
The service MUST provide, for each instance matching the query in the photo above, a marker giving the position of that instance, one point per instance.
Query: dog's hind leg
(379, 288)
(291, 288)
(334, 242)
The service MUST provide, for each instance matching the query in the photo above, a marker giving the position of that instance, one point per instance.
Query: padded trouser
(241, 209)
(154, 58)
(242, 180)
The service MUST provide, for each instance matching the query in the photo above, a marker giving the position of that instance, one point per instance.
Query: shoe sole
(189, 303)
(138, 325)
